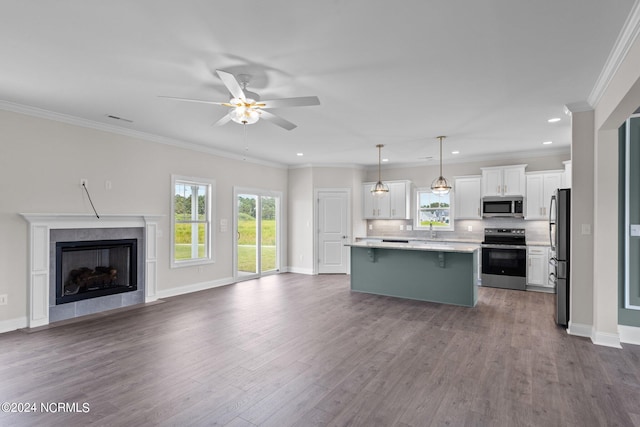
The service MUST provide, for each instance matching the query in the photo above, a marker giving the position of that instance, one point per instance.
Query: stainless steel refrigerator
(559, 236)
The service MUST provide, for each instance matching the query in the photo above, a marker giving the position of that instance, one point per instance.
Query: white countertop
(419, 245)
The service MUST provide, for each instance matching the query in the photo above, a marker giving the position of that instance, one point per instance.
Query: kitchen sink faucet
(432, 233)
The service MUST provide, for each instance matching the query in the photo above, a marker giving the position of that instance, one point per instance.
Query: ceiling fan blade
(192, 100)
(303, 101)
(277, 120)
(223, 120)
(231, 83)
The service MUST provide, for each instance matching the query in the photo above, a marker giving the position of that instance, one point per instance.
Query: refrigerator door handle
(552, 221)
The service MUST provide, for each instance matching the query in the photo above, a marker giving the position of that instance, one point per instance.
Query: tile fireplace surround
(40, 226)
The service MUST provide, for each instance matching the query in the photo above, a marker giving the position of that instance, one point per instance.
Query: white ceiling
(488, 74)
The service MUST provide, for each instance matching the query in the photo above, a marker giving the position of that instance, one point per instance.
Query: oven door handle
(490, 246)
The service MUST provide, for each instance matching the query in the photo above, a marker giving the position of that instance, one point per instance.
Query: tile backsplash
(536, 231)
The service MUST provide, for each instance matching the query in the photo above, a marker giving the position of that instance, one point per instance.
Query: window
(434, 210)
(191, 207)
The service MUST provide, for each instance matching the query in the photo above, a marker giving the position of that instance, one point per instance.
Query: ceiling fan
(246, 107)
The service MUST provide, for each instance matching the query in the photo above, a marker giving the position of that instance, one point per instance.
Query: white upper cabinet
(540, 188)
(503, 181)
(467, 196)
(394, 205)
(400, 199)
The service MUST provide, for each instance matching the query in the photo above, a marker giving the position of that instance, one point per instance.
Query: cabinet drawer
(537, 251)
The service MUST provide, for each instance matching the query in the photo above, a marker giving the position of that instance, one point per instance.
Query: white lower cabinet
(538, 266)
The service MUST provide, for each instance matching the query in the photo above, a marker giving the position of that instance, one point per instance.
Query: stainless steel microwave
(502, 207)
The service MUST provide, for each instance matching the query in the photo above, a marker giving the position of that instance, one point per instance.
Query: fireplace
(47, 229)
(95, 268)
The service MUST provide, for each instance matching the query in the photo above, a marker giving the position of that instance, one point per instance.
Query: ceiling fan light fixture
(244, 115)
(380, 188)
(440, 185)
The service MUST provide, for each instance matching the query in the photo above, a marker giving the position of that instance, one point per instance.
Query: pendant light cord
(440, 137)
(379, 161)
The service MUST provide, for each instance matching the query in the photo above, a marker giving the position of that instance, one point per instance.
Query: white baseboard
(195, 287)
(606, 339)
(629, 334)
(599, 338)
(307, 271)
(13, 324)
(579, 329)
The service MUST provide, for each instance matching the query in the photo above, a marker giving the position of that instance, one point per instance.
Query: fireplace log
(86, 278)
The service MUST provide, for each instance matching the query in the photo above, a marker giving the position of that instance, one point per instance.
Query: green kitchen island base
(424, 274)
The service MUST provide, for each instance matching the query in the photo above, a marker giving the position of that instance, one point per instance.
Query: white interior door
(333, 232)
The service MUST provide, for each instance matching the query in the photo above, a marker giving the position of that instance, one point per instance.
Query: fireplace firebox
(90, 269)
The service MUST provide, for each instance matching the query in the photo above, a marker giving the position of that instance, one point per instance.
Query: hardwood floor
(303, 351)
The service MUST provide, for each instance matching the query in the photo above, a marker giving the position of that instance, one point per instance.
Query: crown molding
(515, 156)
(91, 124)
(626, 38)
(577, 107)
(328, 165)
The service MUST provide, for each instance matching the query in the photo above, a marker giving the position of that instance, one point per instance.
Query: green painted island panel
(444, 277)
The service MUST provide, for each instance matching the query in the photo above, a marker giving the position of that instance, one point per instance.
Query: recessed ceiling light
(548, 142)
(299, 154)
(554, 120)
(385, 160)
(455, 152)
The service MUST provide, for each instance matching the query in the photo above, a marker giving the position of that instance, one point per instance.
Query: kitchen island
(443, 272)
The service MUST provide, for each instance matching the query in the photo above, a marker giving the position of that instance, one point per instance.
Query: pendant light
(440, 184)
(380, 189)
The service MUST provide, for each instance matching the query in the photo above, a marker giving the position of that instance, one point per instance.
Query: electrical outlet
(409, 227)
(370, 226)
(84, 182)
(469, 228)
(4, 299)
(401, 227)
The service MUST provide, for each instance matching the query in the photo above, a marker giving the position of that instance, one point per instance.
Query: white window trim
(418, 226)
(210, 205)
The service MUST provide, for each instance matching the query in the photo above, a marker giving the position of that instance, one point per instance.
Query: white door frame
(316, 228)
(259, 192)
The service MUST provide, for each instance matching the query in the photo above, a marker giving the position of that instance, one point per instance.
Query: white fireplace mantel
(39, 237)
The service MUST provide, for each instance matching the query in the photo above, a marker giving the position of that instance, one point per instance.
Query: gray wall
(42, 162)
(627, 316)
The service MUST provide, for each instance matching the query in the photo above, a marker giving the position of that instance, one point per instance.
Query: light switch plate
(635, 230)
(409, 227)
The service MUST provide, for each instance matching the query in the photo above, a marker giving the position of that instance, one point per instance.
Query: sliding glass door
(257, 233)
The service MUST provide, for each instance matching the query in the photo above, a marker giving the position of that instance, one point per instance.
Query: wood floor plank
(298, 350)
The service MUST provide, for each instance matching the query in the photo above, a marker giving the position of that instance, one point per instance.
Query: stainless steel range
(504, 258)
